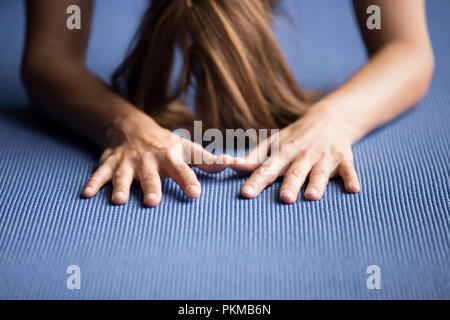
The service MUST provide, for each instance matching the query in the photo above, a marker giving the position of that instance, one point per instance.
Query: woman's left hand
(318, 145)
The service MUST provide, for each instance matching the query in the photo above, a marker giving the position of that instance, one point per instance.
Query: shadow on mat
(29, 119)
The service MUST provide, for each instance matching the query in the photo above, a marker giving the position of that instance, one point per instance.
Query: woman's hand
(319, 145)
(148, 153)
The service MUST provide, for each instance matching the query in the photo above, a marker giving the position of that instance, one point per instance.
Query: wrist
(131, 123)
(341, 118)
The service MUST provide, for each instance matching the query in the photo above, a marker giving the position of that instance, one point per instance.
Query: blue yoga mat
(221, 246)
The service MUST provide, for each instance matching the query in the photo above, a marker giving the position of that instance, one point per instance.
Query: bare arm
(136, 147)
(319, 145)
(399, 71)
(55, 76)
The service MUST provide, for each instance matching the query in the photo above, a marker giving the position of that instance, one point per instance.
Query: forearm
(71, 95)
(395, 79)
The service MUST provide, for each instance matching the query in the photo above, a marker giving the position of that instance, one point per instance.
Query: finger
(245, 165)
(206, 161)
(150, 182)
(185, 177)
(348, 174)
(293, 181)
(318, 179)
(254, 159)
(123, 178)
(106, 154)
(100, 177)
(262, 177)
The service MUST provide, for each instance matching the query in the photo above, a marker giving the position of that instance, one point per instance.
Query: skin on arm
(136, 147)
(319, 145)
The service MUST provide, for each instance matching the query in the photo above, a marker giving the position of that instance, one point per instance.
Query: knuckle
(149, 176)
(337, 152)
(288, 147)
(112, 158)
(120, 175)
(106, 171)
(264, 170)
(130, 154)
(144, 155)
(296, 173)
(340, 155)
(295, 143)
(134, 157)
(318, 172)
(166, 152)
(347, 174)
(331, 148)
(302, 153)
(266, 174)
(182, 167)
(268, 178)
(322, 153)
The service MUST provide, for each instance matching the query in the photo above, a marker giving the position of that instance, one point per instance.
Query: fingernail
(193, 191)
(286, 194)
(119, 196)
(151, 198)
(248, 190)
(312, 192)
(88, 190)
(354, 186)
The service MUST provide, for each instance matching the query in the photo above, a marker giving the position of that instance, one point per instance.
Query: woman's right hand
(148, 153)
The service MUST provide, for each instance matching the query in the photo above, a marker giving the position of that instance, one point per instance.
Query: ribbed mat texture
(221, 246)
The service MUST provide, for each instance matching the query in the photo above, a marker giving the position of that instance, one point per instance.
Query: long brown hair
(229, 52)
